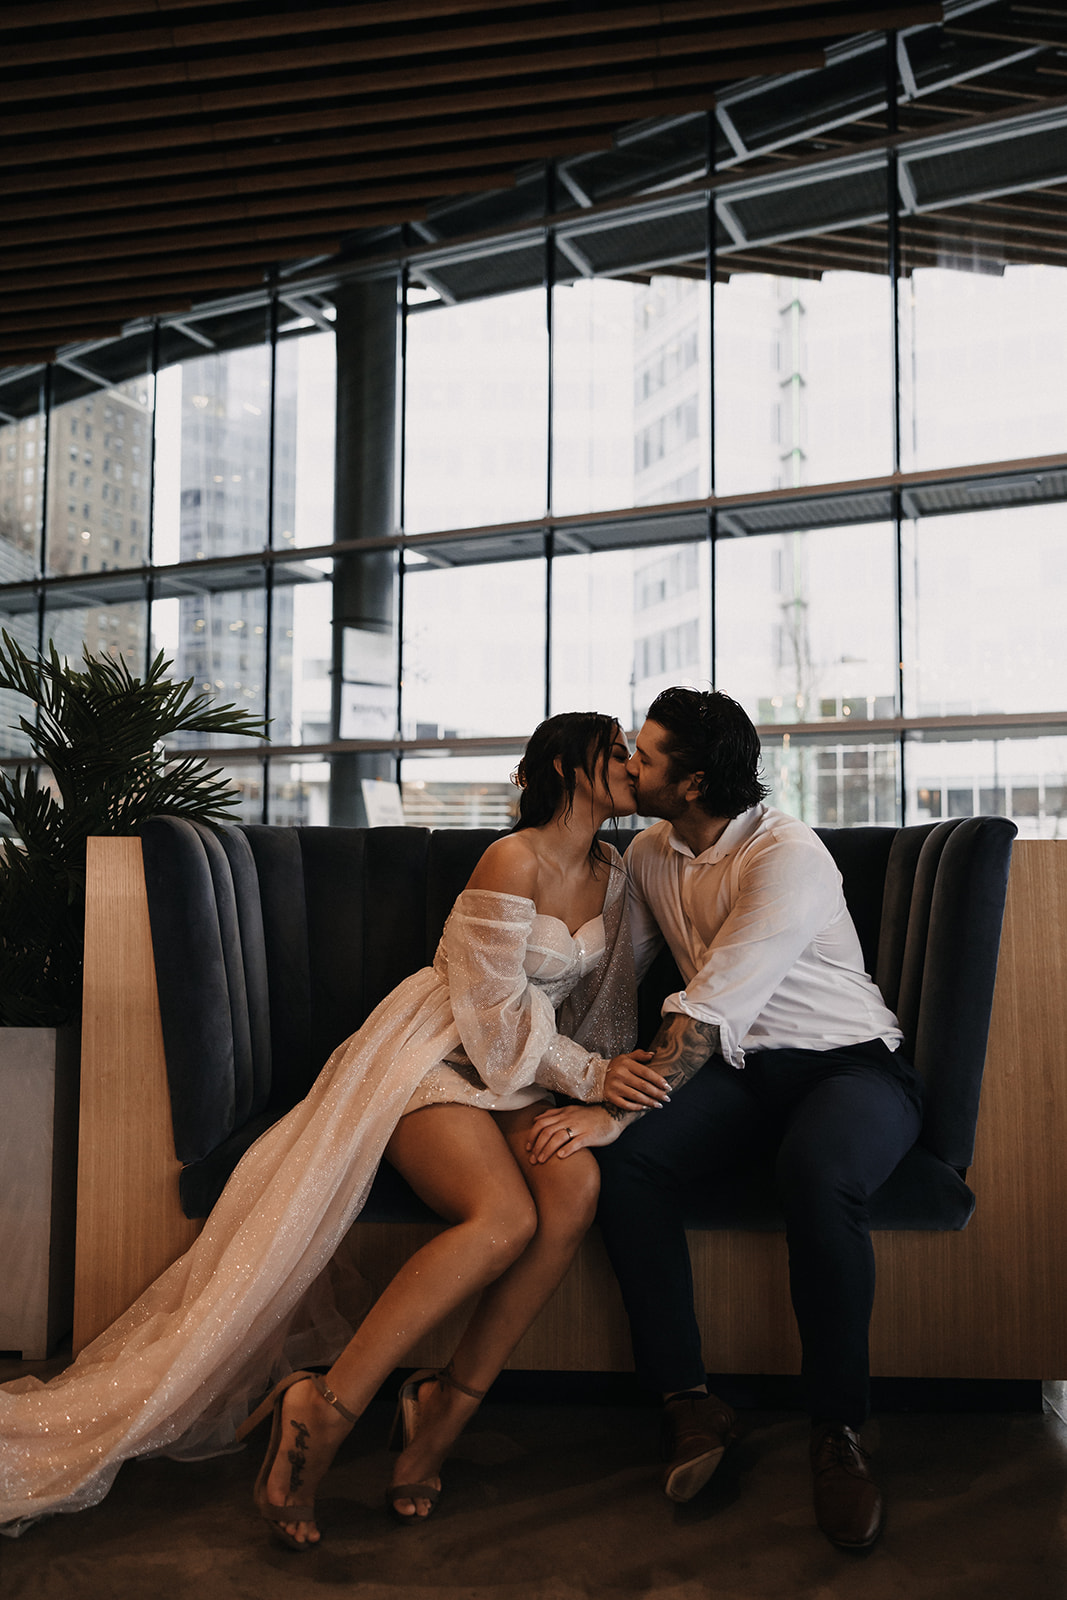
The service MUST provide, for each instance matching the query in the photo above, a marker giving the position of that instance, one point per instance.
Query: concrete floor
(549, 1498)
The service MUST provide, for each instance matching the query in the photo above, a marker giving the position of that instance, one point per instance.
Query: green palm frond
(99, 734)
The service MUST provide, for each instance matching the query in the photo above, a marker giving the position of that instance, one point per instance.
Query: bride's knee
(507, 1230)
(567, 1201)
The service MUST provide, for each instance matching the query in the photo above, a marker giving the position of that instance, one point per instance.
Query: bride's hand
(565, 1129)
(631, 1084)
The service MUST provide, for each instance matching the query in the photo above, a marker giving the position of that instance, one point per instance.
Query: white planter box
(38, 1187)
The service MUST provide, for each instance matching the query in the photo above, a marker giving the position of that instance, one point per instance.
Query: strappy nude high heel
(277, 1516)
(406, 1421)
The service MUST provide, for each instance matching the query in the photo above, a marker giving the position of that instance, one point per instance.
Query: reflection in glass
(593, 633)
(212, 456)
(631, 413)
(833, 785)
(105, 628)
(626, 624)
(305, 414)
(100, 465)
(983, 347)
(476, 446)
(222, 647)
(474, 650)
(22, 452)
(803, 377)
(246, 780)
(1018, 777)
(460, 791)
(805, 624)
(22, 626)
(984, 601)
(299, 794)
(301, 644)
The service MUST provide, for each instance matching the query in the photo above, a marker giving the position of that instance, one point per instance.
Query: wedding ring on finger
(569, 1132)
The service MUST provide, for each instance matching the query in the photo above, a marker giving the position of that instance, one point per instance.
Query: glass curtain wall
(793, 427)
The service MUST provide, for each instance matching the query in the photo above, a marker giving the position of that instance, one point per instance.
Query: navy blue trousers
(838, 1122)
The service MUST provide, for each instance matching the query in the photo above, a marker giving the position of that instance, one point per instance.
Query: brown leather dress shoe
(848, 1502)
(696, 1430)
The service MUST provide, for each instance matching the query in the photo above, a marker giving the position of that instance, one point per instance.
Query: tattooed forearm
(682, 1046)
(680, 1049)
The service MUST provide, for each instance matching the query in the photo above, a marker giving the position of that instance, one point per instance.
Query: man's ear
(692, 790)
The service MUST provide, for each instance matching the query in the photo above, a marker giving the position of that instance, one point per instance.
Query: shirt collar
(736, 831)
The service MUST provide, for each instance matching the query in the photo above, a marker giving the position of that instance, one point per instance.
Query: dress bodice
(554, 961)
(556, 958)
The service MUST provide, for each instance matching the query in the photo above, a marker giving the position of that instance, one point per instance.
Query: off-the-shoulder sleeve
(507, 1025)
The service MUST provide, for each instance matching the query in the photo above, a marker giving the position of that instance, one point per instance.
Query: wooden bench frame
(987, 1302)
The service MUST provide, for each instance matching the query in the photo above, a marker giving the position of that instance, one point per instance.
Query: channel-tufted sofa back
(273, 944)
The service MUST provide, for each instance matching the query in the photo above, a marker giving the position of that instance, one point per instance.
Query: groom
(777, 1042)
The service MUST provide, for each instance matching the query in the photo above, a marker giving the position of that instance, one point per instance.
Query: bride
(446, 1079)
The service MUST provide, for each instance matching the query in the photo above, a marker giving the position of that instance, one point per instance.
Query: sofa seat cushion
(922, 1194)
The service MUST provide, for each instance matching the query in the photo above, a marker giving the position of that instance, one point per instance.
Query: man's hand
(565, 1129)
(632, 1085)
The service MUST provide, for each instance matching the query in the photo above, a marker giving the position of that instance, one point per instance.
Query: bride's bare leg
(565, 1193)
(458, 1160)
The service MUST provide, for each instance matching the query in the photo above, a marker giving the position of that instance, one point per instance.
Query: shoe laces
(842, 1447)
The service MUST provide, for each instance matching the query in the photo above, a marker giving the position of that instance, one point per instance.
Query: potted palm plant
(99, 765)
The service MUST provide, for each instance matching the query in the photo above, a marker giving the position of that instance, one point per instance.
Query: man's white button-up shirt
(762, 936)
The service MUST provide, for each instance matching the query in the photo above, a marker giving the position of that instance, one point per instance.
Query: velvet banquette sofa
(272, 944)
(222, 969)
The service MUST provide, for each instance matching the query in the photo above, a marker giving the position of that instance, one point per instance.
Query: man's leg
(842, 1140)
(709, 1128)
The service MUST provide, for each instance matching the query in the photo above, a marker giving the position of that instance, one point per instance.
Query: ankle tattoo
(297, 1456)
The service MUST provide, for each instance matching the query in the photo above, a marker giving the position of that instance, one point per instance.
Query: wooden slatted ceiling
(156, 152)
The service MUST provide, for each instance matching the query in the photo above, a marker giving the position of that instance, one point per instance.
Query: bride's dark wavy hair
(581, 741)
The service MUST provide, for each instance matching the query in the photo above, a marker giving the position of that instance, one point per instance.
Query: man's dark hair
(709, 733)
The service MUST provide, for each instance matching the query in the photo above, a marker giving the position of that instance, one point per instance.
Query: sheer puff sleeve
(507, 1024)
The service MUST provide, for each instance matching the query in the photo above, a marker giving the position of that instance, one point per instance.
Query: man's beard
(661, 803)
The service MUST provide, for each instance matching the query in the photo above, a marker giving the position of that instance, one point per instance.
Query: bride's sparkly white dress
(250, 1300)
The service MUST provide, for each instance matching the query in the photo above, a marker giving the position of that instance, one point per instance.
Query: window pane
(1018, 777)
(803, 334)
(22, 450)
(984, 601)
(476, 443)
(301, 644)
(222, 647)
(104, 628)
(625, 624)
(474, 650)
(299, 794)
(246, 780)
(983, 312)
(460, 791)
(834, 785)
(805, 624)
(592, 634)
(306, 406)
(100, 468)
(212, 446)
(631, 393)
(22, 626)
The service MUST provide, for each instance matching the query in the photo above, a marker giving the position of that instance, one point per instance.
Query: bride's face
(612, 788)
